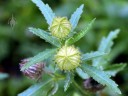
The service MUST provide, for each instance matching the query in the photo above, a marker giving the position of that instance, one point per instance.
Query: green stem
(80, 89)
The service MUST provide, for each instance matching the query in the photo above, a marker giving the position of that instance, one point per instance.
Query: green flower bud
(60, 27)
(68, 58)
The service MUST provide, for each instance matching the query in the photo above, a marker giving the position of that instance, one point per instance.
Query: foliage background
(18, 43)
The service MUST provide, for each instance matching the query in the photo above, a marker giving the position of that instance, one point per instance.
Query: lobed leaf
(68, 81)
(39, 57)
(37, 89)
(81, 73)
(45, 35)
(106, 43)
(105, 46)
(89, 56)
(45, 10)
(101, 77)
(76, 16)
(80, 34)
(112, 70)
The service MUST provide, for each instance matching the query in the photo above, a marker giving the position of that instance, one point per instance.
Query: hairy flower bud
(68, 58)
(34, 71)
(60, 27)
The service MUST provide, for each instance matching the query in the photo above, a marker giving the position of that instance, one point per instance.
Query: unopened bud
(68, 58)
(34, 71)
(60, 27)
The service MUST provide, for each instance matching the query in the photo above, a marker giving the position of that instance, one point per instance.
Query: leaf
(3, 76)
(54, 89)
(114, 69)
(76, 16)
(81, 73)
(36, 89)
(45, 10)
(89, 56)
(105, 46)
(39, 57)
(101, 77)
(106, 43)
(80, 34)
(68, 81)
(45, 35)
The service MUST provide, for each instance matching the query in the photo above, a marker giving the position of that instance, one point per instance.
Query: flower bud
(34, 71)
(92, 85)
(68, 58)
(60, 27)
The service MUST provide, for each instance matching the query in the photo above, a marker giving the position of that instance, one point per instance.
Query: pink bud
(34, 71)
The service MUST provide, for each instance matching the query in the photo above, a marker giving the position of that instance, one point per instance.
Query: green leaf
(45, 10)
(37, 89)
(80, 34)
(45, 35)
(68, 81)
(76, 16)
(89, 56)
(105, 46)
(81, 73)
(39, 57)
(3, 76)
(101, 77)
(106, 43)
(54, 89)
(114, 68)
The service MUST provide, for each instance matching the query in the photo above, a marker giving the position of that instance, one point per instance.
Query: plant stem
(83, 91)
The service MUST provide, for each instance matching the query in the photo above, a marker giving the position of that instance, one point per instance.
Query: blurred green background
(16, 43)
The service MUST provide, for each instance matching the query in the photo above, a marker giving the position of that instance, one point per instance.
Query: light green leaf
(3, 76)
(39, 57)
(89, 56)
(68, 81)
(54, 89)
(45, 35)
(45, 10)
(106, 43)
(80, 34)
(105, 46)
(81, 73)
(37, 89)
(113, 69)
(101, 77)
(76, 16)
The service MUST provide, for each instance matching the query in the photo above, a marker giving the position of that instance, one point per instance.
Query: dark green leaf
(80, 34)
